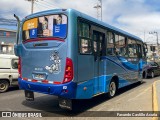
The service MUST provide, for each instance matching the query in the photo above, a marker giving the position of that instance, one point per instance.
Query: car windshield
(152, 63)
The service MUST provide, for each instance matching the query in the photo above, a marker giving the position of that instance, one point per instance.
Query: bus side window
(139, 50)
(95, 43)
(102, 45)
(120, 45)
(132, 48)
(84, 38)
(85, 46)
(110, 43)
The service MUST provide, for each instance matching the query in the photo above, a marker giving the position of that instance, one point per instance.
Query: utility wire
(49, 4)
(4, 21)
(37, 6)
(43, 5)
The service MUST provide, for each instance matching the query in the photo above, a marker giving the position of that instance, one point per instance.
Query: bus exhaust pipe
(18, 23)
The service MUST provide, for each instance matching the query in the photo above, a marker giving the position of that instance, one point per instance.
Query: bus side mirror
(17, 50)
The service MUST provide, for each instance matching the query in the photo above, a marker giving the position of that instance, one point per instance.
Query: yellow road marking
(155, 101)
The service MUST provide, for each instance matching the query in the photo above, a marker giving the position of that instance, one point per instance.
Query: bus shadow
(49, 104)
(13, 88)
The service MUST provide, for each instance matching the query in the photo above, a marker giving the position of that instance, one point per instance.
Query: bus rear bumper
(66, 90)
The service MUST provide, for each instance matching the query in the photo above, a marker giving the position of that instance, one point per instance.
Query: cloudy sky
(138, 17)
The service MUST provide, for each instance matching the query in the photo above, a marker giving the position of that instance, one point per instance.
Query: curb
(154, 99)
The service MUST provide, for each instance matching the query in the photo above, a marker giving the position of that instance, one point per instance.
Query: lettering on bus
(30, 24)
(55, 67)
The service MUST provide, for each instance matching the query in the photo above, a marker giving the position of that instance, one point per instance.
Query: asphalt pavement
(136, 97)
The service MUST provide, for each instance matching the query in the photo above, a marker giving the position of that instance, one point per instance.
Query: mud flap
(29, 95)
(65, 103)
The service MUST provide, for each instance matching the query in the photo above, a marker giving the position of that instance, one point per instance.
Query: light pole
(32, 5)
(99, 6)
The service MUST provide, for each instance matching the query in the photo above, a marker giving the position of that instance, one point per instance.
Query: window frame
(133, 48)
(107, 41)
(23, 22)
(119, 46)
(12, 63)
(82, 37)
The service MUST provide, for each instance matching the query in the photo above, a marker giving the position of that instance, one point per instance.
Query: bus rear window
(45, 26)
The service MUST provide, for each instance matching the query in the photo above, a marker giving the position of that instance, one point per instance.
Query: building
(153, 52)
(7, 41)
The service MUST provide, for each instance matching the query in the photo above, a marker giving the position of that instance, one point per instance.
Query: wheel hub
(112, 89)
(2, 86)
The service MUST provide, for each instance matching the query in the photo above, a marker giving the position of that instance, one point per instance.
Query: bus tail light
(19, 67)
(68, 75)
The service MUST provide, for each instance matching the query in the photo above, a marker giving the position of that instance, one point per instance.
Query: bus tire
(4, 85)
(112, 89)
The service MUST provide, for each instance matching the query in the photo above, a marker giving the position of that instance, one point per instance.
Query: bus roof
(83, 15)
(107, 25)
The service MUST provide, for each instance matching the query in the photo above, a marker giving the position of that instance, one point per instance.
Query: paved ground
(137, 97)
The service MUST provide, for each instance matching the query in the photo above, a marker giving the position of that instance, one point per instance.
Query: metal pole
(157, 38)
(157, 43)
(144, 36)
(32, 6)
(101, 8)
(97, 7)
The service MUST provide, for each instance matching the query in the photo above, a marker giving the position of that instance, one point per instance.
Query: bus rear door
(98, 40)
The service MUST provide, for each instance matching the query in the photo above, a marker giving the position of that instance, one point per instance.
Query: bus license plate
(39, 76)
(29, 95)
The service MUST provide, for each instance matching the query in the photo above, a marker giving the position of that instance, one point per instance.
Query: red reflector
(56, 82)
(44, 81)
(19, 67)
(34, 80)
(65, 91)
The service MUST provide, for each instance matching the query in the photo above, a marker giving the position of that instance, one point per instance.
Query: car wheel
(4, 85)
(152, 74)
(112, 89)
(145, 75)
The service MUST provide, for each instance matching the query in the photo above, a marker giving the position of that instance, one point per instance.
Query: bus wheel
(112, 89)
(4, 85)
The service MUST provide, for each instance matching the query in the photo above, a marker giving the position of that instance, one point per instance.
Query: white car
(8, 71)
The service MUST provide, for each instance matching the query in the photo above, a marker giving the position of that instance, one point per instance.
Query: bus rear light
(68, 75)
(19, 68)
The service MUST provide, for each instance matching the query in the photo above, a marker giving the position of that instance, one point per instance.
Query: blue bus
(66, 53)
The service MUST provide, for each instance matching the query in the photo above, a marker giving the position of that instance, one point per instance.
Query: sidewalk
(156, 98)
